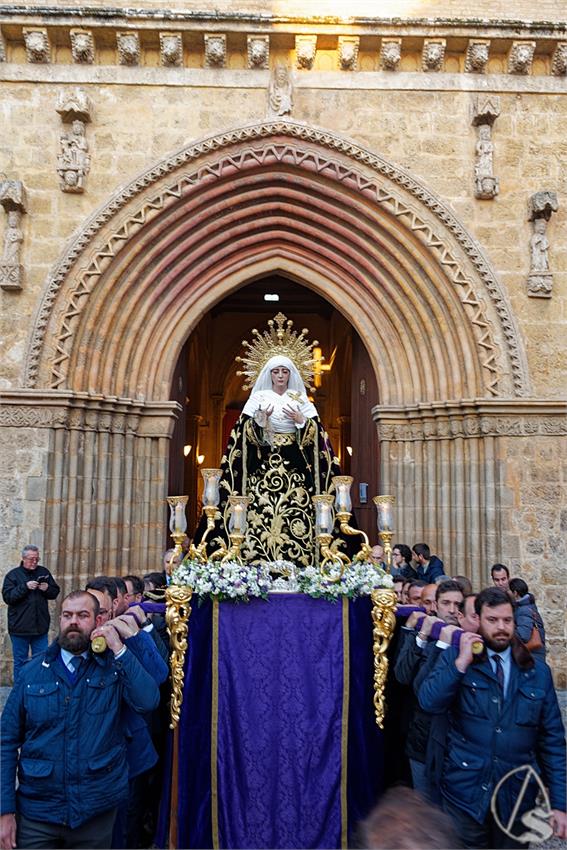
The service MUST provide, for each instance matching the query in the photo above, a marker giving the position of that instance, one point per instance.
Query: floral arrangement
(217, 580)
(359, 578)
(240, 582)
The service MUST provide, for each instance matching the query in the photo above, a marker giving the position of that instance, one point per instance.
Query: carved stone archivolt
(540, 278)
(38, 48)
(478, 51)
(485, 112)
(73, 161)
(258, 50)
(215, 50)
(13, 201)
(308, 149)
(305, 51)
(82, 46)
(520, 57)
(390, 53)
(128, 45)
(348, 47)
(171, 49)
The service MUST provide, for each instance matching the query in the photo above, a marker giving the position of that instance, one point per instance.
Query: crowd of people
(470, 699)
(474, 716)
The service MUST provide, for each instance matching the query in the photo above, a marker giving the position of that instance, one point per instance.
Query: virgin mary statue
(278, 453)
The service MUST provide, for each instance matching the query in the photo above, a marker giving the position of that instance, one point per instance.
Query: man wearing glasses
(26, 591)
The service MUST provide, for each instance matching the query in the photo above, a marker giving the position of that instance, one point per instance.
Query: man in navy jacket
(503, 715)
(62, 729)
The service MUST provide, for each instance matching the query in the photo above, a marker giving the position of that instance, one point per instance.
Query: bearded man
(62, 732)
(505, 729)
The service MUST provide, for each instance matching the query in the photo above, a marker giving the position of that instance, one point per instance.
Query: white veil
(295, 383)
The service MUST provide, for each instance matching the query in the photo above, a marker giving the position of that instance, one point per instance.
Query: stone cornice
(472, 418)
(211, 20)
(24, 408)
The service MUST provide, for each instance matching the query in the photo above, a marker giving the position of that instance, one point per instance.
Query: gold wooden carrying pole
(177, 615)
(384, 621)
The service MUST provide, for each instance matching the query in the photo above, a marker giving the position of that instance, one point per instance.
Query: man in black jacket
(25, 591)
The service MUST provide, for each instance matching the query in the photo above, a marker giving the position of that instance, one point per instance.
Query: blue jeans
(21, 645)
(423, 784)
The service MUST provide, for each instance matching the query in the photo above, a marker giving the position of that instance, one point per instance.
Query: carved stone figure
(128, 48)
(433, 55)
(171, 49)
(2, 48)
(559, 61)
(281, 91)
(73, 162)
(390, 53)
(258, 51)
(215, 50)
(477, 56)
(539, 247)
(305, 50)
(13, 238)
(37, 45)
(82, 46)
(520, 57)
(486, 184)
(348, 52)
(13, 199)
(540, 279)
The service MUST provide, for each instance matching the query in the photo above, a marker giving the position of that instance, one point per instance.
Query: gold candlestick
(384, 507)
(324, 522)
(177, 526)
(343, 504)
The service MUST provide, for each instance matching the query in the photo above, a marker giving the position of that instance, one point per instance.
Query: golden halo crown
(279, 339)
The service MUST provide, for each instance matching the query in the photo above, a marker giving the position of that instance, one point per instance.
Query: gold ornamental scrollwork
(384, 622)
(177, 615)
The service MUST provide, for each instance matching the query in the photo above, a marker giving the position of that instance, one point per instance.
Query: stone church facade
(411, 169)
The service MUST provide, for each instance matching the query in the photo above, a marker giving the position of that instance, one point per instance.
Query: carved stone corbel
(13, 199)
(348, 52)
(540, 279)
(82, 46)
(215, 50)
(305, 51)
(559, 60)
(476, 60)
(390, 53)
(258, 48)
(433, 54)
(73, 161)
(485, 112)
(38, 48)
(171, 49)
(128, 44)
(520, 57)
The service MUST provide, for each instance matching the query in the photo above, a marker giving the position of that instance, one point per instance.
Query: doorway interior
(207, 387)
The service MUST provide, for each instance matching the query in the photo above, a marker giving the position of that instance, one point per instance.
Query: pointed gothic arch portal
(369, 238)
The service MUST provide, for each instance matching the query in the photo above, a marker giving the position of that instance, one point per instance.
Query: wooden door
(365, 460)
